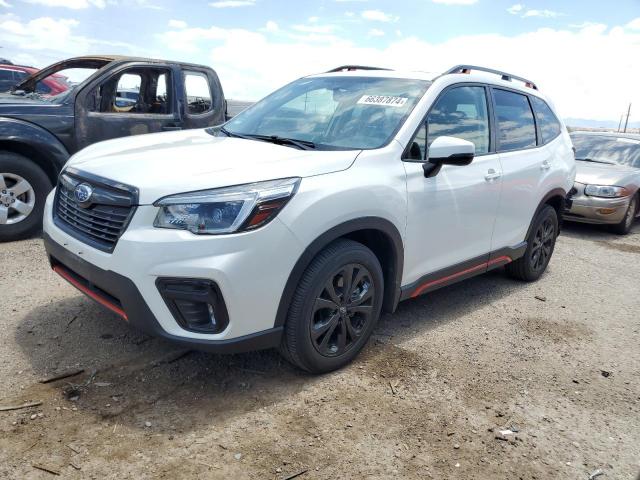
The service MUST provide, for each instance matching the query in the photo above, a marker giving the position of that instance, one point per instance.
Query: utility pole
(627, 120)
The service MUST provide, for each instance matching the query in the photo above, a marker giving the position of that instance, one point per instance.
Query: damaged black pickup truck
(106, 97)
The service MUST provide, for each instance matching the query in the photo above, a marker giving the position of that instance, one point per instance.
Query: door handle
(492, 175)
(545, 165)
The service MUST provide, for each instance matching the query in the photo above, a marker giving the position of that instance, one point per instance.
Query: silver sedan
(607, 180)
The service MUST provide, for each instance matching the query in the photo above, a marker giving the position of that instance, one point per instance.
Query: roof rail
(505, 76)
(351, 68)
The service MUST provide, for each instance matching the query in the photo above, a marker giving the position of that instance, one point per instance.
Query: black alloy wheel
(342, 310)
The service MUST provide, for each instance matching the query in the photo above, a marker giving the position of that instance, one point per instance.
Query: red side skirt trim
(425, 286)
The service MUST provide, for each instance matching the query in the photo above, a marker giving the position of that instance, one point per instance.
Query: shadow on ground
(132, 379)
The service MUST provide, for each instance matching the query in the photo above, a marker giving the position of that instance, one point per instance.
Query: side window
(136, 91)
(461, 112)
(516, 127)
(127, 93)
(198, 93)
(549, 125)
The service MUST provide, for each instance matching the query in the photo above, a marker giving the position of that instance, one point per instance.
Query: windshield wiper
(594, 161)
(233, 134)
(301, 144)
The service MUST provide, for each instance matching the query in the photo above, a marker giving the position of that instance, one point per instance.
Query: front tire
(23, 189)
(540, 245)
(625, 225)
(335, 308)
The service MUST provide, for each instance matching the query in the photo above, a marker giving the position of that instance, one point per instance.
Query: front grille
(100, 220)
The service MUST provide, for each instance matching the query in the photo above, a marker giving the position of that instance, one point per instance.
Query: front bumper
(596, 210)
(250, 270)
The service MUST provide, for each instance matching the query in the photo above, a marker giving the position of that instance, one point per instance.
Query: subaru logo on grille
(83, 193)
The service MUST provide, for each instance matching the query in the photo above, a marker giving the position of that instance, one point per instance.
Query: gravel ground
(556, 362)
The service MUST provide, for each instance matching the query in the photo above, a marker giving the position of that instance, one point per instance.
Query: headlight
(225, 210)
(608, 191)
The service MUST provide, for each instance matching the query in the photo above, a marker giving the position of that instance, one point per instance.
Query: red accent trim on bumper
(91, 294)
(425, 286)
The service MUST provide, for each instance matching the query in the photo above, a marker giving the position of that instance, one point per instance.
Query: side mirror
(448, 151)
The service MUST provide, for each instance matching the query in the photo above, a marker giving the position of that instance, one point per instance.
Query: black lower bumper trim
(138, 313)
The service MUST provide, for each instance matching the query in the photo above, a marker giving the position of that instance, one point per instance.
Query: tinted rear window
(516, 127)
(549, 125)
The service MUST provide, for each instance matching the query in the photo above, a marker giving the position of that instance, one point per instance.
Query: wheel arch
(35, 143)
(555, 198)
(378, 234)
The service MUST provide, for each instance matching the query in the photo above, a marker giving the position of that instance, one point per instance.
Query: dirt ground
(556, 362)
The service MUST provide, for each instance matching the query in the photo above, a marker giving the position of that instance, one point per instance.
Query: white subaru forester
(303, 218)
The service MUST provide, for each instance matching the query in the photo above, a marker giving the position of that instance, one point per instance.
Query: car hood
(602, 174)
(176, 162)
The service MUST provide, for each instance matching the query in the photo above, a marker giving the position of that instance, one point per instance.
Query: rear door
(525, 166)
(451, 215)
(202, 100)
(132, 100)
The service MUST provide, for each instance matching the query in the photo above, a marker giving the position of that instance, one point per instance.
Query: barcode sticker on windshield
(383, 100)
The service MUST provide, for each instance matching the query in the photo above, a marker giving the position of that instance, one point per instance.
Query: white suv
(329, 201)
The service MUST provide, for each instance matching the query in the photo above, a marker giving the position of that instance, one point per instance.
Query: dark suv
(38, 133)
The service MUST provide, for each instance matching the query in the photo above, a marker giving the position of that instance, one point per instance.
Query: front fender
(19, 133)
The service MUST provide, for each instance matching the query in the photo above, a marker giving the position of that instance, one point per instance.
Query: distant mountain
(581, 122)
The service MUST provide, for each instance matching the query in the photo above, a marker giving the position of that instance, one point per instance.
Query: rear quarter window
(550, 127)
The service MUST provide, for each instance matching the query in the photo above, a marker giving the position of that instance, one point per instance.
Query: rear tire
(23, 189)
(326, 328)
(540, 245)
(625, 225)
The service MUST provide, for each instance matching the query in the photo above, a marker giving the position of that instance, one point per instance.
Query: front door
(451, 216)
(131, 101)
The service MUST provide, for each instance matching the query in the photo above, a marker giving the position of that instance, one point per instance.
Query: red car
(11, 75)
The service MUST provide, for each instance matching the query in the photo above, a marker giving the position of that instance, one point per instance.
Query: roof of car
(125, 58)
(465, 73)
(631, 136)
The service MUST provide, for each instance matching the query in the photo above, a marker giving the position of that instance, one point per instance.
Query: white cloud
(177, 24)
(634, 24)
(541, 13)
(44, 40)
(376, 32)
(313, 19)
(519, 8)
(515, 9)
(455, 2)
(72, 4)
(271, 26)
(232, 3)
(5, 4)
(253, 64)
(376, 16)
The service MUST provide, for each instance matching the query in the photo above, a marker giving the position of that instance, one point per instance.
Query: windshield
(337, 113)
(55, 88)
(605, 149)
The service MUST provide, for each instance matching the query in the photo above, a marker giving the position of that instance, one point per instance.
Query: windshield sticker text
(383, 100)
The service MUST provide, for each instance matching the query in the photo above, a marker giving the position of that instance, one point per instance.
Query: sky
(585, 55)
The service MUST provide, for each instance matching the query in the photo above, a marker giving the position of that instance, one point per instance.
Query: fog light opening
(196, 305)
